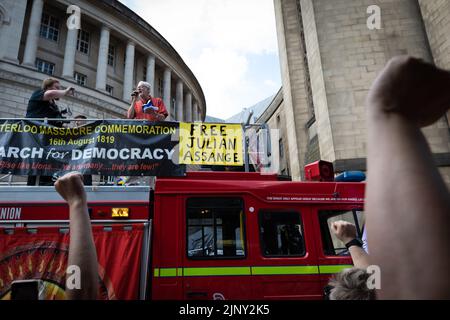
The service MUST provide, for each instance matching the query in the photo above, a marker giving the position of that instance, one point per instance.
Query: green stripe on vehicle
(213, 271)
(248, 271)
(333, 268)
(285, 270)
(168, 272)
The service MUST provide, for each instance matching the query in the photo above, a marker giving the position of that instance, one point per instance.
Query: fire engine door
(216, 264)
(285, 264)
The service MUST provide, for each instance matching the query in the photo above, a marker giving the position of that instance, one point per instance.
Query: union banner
(42, 254)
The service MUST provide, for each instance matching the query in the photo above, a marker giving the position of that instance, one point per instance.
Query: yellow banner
(211, 144)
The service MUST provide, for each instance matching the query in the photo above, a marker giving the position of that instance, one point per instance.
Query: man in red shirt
(144, 106)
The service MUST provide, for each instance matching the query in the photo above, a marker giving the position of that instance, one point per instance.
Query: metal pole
(246, 125)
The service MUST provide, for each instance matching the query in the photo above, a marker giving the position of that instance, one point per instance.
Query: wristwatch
(354, 242)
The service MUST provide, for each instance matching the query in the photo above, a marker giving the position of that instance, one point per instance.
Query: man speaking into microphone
(144, 106)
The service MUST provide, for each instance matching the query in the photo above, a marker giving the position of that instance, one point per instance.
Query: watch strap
(354, 242)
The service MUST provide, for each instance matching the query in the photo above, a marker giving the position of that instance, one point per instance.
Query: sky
(230, 46)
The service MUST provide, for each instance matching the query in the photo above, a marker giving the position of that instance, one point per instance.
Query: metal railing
(8, 179)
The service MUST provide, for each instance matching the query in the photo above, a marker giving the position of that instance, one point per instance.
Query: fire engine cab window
(331, 244)
(281, 234)
(215, 228)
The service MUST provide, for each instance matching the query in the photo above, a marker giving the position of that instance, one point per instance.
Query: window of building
(83, 41)
(45, 66)
(80, 79)
(215, 228)
(281, 234)
(49, 27)
(110, 90)
(280, 142)
(144, 73)
(111, 55)
(331, 244)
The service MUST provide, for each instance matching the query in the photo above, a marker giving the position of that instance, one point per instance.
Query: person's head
(351, 284)
(79, 120)
(50, 84)
(144, 88)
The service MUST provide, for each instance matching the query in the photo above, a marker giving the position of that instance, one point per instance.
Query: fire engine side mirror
(319, 171)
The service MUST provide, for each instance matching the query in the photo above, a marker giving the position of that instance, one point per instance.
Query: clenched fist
(71, 188)
(417, 90)
(344, 231)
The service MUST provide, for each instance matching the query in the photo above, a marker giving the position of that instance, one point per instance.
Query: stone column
(194, 114)
(31, 44)
(11, 29)
(151, 72)
(197, 115)
(188, 107)
(69, 53)
(179, 103)
(129, 69)
(102, 64)
(167, 79)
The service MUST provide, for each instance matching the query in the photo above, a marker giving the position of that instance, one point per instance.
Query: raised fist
(417, 90)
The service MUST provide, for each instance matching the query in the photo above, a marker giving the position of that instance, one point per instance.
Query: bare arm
(360, 257)
(131, 113)
(82, 252)
(56, 94)
(346, 232)
(408, 204)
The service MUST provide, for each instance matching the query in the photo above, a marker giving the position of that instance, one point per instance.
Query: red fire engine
(208, 235)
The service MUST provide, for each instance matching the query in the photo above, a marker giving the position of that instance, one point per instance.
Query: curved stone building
(104, 60)
(329, 58)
